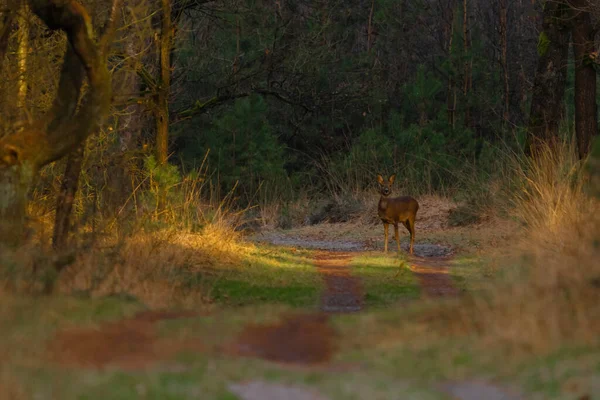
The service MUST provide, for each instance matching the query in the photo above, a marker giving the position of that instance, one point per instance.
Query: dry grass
(10, 388)
(552, 298)
(546, 296)
(161, 268)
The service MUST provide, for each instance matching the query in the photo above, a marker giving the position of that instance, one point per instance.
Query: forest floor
(325, 315)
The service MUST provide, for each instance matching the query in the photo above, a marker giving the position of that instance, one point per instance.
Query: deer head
(385, 188)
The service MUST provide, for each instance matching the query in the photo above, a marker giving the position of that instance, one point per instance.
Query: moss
(543, 43)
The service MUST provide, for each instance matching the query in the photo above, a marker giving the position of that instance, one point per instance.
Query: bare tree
(66, 125)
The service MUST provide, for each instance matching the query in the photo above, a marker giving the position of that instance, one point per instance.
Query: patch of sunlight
(281, 259)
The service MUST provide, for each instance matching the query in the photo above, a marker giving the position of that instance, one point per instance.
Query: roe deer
(393, 210)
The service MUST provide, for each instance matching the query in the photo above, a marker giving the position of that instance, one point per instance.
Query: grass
(535, 328)
(270, 275)
(165, 269)
(381, 355)
(386, 279)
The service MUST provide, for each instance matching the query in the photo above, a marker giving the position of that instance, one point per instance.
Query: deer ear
(392, 178)
(380, 179)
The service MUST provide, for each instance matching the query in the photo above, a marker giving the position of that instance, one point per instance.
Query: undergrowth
(548, 299)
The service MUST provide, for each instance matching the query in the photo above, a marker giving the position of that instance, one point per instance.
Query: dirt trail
(343, 292)
(297, 339)
(129, 343)
(307, 339)
(431, 264)
(433, 275)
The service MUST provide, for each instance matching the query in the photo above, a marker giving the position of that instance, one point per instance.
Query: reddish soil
(343, 292)
(297, 339)
(130, 343)
(433, 275)
(307, 339)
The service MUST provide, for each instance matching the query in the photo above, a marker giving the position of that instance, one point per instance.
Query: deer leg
(407, 225)
(411, 229)
(385, 230)
(397, 236)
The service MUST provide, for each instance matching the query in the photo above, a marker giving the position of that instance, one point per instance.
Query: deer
(393, 210)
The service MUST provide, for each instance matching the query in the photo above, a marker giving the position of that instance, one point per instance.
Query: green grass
(386, 279)
(270, 275)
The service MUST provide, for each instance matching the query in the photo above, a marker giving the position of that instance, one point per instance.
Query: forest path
(431, 264)
(343, 292)
(302, 341)
(310, 339)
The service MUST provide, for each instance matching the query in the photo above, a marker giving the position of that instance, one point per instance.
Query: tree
(65, 126)
(551, 74)
(70, 183)
(161, 109)
(586, 110)
(22, 52)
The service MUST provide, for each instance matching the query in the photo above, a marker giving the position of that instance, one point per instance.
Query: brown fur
(393, 210)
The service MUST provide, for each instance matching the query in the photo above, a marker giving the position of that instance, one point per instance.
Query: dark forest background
(282, 102)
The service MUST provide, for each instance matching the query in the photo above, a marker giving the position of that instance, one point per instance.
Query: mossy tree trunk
(63, 129)
(547, 107)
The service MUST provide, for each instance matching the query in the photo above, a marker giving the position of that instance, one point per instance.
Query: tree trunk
(586, 110)
(468, 65)
(23, 153)
(74, 164)
(451, 95)
(370, 27)
(164, 88)
(22, 53)
(547, 108)
(66, 196)
(504, 60)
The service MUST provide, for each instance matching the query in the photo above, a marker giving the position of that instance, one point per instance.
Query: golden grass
(546, 296)
(550, 299)
(161, 269)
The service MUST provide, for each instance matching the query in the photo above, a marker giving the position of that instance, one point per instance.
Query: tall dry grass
(551, 297)
(164, 268)
(158, 256)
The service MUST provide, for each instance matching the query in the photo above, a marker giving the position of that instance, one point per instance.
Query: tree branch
(200, 107)
(71, 17)
(110, 27)
(61, 132)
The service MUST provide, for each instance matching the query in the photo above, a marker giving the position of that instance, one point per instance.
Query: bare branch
(110, 26)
